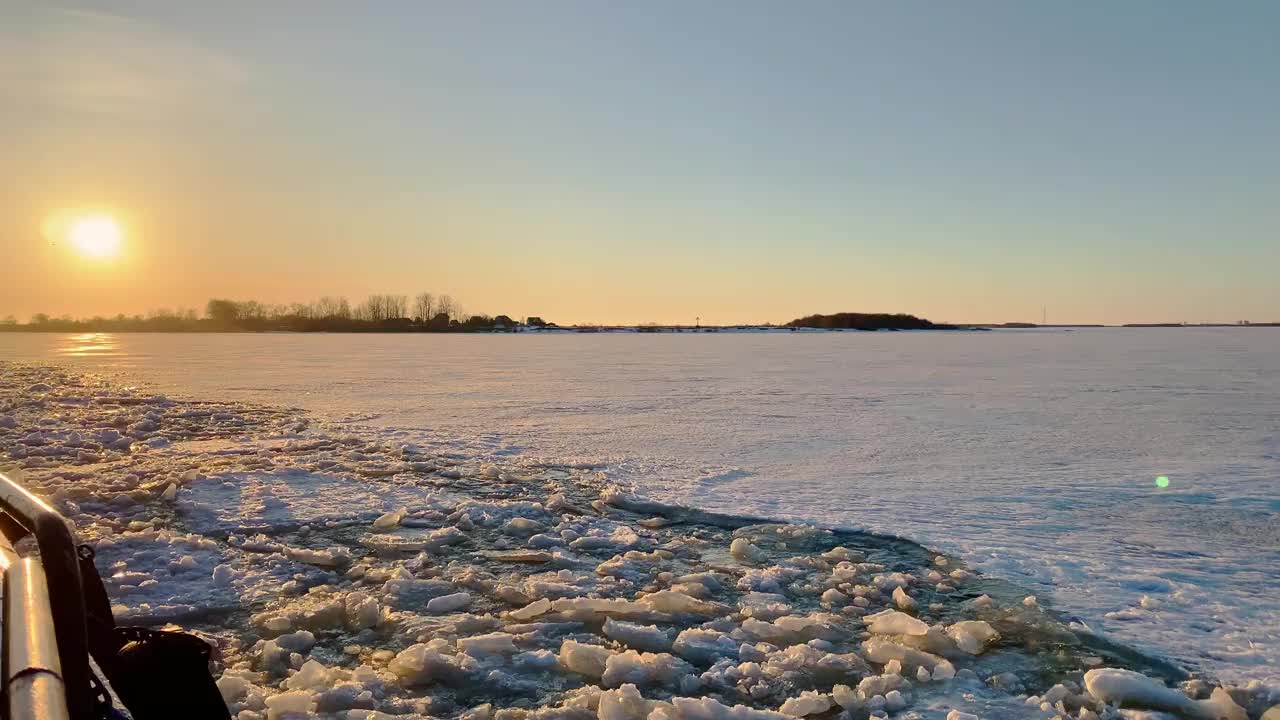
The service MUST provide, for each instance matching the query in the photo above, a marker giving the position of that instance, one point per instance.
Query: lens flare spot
(1162, 481)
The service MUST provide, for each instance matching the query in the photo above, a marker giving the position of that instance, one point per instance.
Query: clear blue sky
(611, 162)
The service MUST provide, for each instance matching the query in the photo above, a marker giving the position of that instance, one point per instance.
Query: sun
(96, 236)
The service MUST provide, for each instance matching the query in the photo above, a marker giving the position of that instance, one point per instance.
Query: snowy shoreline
(350, 576)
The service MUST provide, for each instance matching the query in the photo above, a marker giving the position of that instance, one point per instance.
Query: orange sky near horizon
(452, 151)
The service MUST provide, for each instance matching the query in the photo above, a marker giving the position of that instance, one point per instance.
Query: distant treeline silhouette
(378, 313)
(867, 321)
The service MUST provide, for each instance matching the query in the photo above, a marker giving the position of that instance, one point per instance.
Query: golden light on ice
(97, 236)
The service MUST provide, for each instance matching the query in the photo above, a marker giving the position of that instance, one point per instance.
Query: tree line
(424, 312)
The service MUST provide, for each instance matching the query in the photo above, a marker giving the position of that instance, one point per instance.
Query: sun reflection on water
(89, 345)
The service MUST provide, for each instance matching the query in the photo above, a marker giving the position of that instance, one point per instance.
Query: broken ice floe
(349, 577)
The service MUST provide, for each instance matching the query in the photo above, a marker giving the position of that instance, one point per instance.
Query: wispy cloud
(91, 61)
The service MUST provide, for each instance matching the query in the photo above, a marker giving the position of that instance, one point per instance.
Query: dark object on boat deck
(156, 674)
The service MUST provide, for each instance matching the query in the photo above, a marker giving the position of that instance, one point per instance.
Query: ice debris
(374, 576)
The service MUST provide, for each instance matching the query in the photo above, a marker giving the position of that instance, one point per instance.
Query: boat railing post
(44, 598)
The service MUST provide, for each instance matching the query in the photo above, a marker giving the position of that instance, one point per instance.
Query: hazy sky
(651, 161)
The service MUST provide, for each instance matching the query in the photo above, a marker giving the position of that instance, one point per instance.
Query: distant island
(868, 321)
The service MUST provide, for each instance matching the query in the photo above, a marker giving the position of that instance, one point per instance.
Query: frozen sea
(1033, 454)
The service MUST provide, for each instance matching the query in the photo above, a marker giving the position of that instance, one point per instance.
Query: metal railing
(46, 656)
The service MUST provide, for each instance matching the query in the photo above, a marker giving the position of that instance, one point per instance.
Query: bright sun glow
(96, 236)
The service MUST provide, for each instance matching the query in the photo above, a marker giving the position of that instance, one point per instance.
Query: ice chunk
(879, 684)
(300, 642)
(841, 552)
(522, 556)
(704, 646)
(444, 537)
(834, 597)
(321, 558)
(344, 696)
(640, 637)
(279, 706)
(492, 644)
(846, 698)
(767, 631)
(643, 669)
(809, 627)
(387, 521)
(1221, 705)
(313, 675)
(669, 601)
(624, 703)
(233, 689)
(535, 660)
(522, 526)
(579, 607)
(223, 575)
(809, 702)
(881, 651)
(420, 664)
(708, 709)
(316, 611)
(763, 606)
(622, 538)
(972, 636)
(362, 611)
(532, 610)
(742, 549)
(1125, 687)
(943, 671)
(957, 715)
(449, 603)
(618, 497)
(1056, 693)
(545, 541)
(893, 622)
(409, 593)
(589, 660)
(1115, 686)
(903, 600)
(771, 579)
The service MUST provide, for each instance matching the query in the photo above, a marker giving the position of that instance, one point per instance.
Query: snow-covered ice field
(1031, 456)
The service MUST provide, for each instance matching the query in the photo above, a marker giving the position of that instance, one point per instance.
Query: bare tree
(397, 307)
(377, 308)
(445, 304)
(423, 305)
(368, 310)
(371, 311)
(252, 310)
(332, 307)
